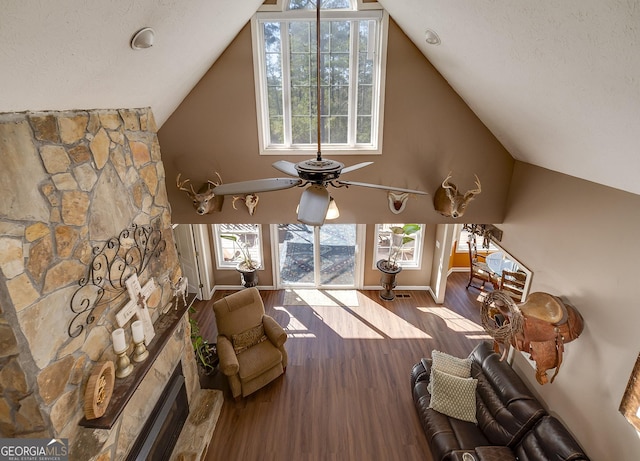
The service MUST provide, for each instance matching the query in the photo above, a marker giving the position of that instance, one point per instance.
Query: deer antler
(214, 184)
(183, 183)
(475, 191)
(445, 183)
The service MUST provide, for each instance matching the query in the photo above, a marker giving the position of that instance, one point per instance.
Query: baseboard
(399, 288)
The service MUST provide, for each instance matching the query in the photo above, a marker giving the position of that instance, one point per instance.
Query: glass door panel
(296, 255)
(337, 255)
(317, 257)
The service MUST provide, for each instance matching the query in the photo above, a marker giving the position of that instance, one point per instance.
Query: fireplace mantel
(124, 388)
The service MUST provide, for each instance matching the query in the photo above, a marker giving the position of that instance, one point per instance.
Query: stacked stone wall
(69, 181)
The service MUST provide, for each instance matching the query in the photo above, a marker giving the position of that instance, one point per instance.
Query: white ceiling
(556, 81)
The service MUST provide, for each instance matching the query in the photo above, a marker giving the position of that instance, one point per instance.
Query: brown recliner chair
(250, 343)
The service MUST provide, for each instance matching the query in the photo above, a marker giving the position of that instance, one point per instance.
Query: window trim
(416, 265)
(221, 265)
(260, 81)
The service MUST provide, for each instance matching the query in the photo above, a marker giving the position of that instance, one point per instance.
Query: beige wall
(579, 240)
(428, 132)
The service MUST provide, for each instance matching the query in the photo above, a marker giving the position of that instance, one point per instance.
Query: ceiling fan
(315, 174)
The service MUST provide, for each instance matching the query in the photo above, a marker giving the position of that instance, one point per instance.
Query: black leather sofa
(512, 424)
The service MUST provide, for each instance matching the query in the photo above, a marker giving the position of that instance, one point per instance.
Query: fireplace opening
(161, 431)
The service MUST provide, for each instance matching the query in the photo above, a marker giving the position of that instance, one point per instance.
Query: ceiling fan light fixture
(333, 212)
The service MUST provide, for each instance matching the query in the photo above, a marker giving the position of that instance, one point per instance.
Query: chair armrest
(274, 331)
(228, 361)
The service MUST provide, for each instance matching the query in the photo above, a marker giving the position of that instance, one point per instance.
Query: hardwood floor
(346, 392)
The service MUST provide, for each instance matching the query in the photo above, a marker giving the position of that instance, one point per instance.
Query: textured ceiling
(557, 82)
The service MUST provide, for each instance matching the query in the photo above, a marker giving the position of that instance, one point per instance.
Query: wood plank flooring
(346, 392)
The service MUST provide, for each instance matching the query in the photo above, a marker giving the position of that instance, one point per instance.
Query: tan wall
(576, 237)
(428, 132)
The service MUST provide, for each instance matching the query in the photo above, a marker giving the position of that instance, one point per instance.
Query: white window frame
(415, 263)
(221, 245)
(367, 13)
(463, 243)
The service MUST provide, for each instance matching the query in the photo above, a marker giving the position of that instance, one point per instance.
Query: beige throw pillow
(454, 396)
(248, 338)
(449, 364)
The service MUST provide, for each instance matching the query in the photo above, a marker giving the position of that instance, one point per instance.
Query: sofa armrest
(274, 331)
(228, 361)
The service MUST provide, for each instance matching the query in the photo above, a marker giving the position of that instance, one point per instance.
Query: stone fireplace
(70, 181)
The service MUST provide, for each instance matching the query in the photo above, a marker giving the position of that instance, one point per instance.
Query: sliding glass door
(318, 257)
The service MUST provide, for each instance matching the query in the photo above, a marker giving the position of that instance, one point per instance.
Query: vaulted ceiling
(557, 82)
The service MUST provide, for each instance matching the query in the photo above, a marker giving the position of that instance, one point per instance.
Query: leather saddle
(548, 325)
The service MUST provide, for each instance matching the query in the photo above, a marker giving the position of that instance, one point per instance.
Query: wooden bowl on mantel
(99, 390)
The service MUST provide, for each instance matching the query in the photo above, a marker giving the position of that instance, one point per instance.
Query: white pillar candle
(138, 331)
(119, 342)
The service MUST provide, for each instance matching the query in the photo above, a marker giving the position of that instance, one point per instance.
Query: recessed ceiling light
(143, 39)
(431, 37)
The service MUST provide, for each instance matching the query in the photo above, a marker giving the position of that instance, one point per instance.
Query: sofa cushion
(506, 408)
(536, 446)
(453, 396)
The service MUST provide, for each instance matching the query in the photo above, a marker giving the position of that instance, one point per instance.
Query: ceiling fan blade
(357, 166)
(314, 204)
(255, 186)
(286, 167)
(379, 186)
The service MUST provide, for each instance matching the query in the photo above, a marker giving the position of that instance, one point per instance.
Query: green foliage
(205, 352)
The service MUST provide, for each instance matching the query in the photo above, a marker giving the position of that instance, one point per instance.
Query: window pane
(300, 36)
(410, 254)
(339, 65)
(298, 69)
(338, 130)
(364, 130)
(365, 100)
(339, 38)
(271, 31)
(228, 252)
(276, 130)
(302, 130)
(325, 5)
(340, 101)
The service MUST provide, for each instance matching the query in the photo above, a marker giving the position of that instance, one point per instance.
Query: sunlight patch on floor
(388, 323)
(453, 320)
(314, 297)
(294, 327)
(345, 324)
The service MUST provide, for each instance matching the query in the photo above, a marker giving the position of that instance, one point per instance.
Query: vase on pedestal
(387, 279)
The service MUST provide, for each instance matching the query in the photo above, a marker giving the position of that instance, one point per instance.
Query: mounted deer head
(204, 201)
(397, 202)
(449, 202)
(250, 201)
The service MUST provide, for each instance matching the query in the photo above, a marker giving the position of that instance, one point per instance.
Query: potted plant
(247, 267)
(206, 353)
(389, 267)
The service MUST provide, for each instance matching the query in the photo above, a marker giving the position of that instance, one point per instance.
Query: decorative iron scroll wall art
(112, 264)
